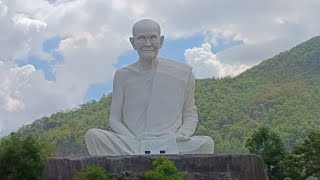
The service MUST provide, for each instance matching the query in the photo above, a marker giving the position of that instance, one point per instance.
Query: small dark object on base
(147, 152)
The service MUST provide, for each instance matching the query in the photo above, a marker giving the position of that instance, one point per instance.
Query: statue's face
(146, 39)
(147, 44)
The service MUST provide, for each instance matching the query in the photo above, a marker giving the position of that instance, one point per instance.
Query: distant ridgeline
(282, 92)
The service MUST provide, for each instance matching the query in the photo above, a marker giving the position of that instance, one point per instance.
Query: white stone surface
(152, 105)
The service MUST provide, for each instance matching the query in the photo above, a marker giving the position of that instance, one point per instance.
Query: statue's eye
(154, 38)
(141, 39)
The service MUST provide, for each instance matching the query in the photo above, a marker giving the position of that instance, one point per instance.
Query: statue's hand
(181, 137)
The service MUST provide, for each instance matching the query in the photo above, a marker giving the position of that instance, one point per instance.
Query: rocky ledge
(217, 167)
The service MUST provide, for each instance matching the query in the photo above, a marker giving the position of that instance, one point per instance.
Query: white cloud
(95, 32)
(9, 91)
(91, 42)
(252, 54)
(223, 35)
(26, 24)
(206, 64)
(3, 9)
(20, 33)
(26, 95)
(119, 5)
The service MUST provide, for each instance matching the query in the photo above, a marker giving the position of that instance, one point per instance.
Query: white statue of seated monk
(153, 109)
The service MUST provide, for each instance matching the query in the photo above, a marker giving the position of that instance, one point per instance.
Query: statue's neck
(147, 64)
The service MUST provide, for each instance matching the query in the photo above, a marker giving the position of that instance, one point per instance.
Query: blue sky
(45, 66)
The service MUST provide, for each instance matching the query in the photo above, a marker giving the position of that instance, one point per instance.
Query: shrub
(21, 158)
(93, 173)
(163, 169)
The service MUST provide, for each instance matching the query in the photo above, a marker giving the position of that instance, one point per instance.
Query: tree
(309, 152)
(21, 158)
(269, 146)
(292, 167)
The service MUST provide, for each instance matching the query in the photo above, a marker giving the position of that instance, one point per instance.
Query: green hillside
(282, 92)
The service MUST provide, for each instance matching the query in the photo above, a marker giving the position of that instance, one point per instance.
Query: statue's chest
(158, 87)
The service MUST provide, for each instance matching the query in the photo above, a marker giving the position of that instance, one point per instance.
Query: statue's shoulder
(128, 69)
(174, 65)
(125, 73)
(174, 69)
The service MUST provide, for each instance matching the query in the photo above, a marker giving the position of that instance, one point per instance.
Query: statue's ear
(132, 42)
(161, 41)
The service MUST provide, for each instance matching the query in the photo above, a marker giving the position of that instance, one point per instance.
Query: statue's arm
(117, 104)
(189, 112)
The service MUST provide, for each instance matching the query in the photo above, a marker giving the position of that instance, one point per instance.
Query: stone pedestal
(217, 167)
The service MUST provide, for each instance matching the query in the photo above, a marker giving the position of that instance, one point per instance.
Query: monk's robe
(158, 106)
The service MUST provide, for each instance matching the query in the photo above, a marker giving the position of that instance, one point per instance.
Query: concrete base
(217, 167)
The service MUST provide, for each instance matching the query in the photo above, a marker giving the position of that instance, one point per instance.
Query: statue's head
(147, 39)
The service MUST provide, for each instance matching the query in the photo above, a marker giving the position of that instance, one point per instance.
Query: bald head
(145, 26)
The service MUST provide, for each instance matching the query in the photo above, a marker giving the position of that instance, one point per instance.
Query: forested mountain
(282, 92)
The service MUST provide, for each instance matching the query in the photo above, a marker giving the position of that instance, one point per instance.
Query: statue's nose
(148, 42)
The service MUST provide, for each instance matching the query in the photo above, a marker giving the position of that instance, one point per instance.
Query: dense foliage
(163, 169)
(93, 173)
(282, 92)
(21, 158)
